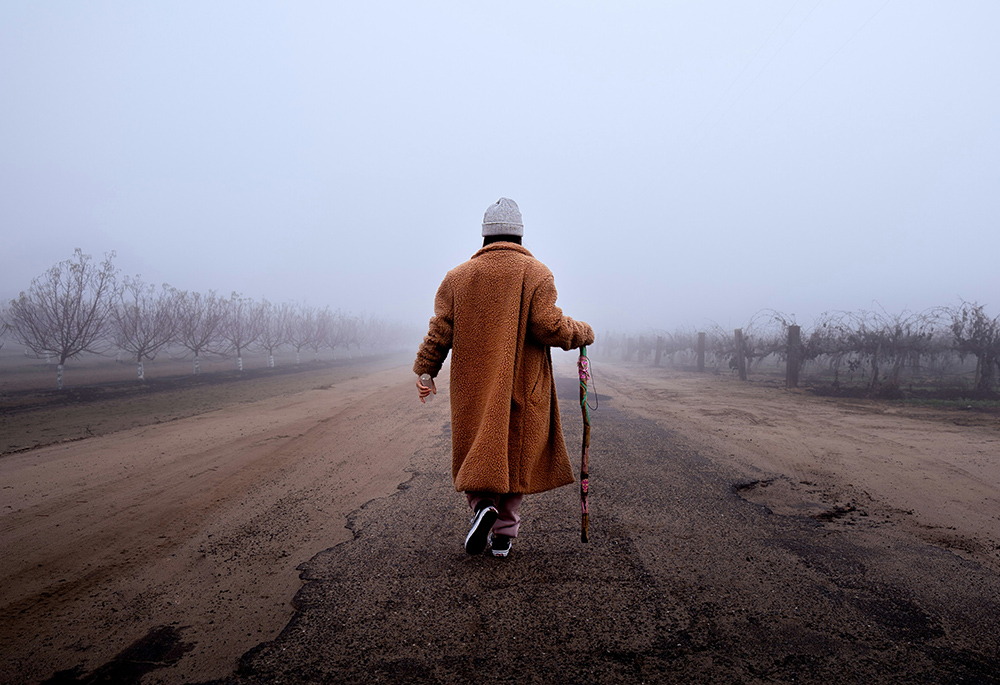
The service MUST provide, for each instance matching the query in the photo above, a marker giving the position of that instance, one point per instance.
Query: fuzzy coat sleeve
(548, 324)
(434, 349)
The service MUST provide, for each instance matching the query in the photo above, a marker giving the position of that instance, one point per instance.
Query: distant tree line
(81, 306)
(872, 347)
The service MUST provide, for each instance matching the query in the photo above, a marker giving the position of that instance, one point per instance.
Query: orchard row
(79, 306)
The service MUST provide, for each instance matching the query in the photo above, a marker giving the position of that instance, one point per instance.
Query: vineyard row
(878, 347)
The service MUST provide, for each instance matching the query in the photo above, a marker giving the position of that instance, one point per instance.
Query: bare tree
(275, 327)
(302, 329)
(390, 335)
(378, 333)
(143, 321)
(199, 323)
(325, 331)
(369, 332)
(4, 326)
(65, 312)
(241, 325)
(349, 332)
(977, 334)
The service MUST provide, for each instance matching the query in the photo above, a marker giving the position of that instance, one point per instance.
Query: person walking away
(497, 315)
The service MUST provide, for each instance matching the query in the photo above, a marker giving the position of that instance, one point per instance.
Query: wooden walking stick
(583, 366)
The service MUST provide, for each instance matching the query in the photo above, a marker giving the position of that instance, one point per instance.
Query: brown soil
(197, 518)
(932, 472)
(170, 543)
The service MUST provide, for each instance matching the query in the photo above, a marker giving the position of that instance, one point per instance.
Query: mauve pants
(508, 521)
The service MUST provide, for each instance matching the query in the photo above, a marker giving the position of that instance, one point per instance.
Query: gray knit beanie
(503, 218)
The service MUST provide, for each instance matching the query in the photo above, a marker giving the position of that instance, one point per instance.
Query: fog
(675, 162)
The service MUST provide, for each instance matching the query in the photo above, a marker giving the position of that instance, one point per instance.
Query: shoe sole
(475, 541)
(498, 552)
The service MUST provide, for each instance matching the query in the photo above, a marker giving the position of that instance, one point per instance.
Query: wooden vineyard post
(793, 355)
(741, 357)
(701, 352)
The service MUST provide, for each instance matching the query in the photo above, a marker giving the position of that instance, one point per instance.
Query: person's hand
(424, 390)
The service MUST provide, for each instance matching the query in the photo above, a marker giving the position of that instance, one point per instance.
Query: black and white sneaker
(500, 544)
(475, 541)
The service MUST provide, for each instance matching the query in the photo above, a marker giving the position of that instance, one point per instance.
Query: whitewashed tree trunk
(197, 364)
(141, 371)
(239, 363)
(59, 376)
(270, 361)
(298, 358)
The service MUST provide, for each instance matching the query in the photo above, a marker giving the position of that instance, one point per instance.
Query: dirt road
(684, 581)
(739, 534)
(933, 473)
(197, 523)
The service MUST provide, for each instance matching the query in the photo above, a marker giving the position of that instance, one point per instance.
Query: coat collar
(493, 247)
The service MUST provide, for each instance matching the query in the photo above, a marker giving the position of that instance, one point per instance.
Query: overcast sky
(675, 163)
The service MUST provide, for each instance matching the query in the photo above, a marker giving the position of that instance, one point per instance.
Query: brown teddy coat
(497, 314)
